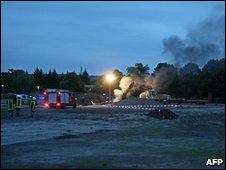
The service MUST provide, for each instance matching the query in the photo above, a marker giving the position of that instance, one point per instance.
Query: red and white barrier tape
(144, 107)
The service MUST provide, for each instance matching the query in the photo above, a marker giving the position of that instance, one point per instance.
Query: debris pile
(163, 114)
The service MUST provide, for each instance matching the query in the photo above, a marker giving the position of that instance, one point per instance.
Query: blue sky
(98, 36)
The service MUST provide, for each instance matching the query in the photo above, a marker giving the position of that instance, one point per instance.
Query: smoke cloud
(129, 84)
(164, 77)
(144, 83)
(203, 42)
(124, 84)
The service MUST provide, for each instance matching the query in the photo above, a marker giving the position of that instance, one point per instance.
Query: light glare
(110, 78)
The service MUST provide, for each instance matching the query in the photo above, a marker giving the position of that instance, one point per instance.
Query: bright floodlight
(110, 78)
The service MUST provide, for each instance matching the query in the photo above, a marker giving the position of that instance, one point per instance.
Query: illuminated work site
(113, 85)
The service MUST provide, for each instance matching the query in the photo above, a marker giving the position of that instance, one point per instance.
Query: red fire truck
(59, 98)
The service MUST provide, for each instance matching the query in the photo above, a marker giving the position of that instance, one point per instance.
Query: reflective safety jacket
(10, 104)
(18, 103)
(33, 104)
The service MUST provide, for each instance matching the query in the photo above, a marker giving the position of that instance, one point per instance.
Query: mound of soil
(163, 114)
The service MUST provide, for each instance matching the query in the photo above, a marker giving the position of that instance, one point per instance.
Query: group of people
(15, 103)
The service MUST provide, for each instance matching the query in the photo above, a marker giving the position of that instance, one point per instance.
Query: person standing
(18, 105)
(10, 104)
(33, 104)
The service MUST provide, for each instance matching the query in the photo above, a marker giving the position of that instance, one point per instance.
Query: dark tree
(39, 78)
(191, 68)
(212, 78)
(52, 79)
(48, 80)
(85, 77)
(190, 81)
(165, 74)
(71, 81)
(20, 82)
(138, 70)
(162, 66)
(55, 79)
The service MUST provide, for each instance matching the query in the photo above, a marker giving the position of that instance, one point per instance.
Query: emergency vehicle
(59, 98)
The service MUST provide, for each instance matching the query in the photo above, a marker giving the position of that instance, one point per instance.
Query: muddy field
(103, 137)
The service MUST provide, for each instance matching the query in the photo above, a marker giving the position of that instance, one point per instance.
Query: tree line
(191, 81)
(187, 81)
(19, 81)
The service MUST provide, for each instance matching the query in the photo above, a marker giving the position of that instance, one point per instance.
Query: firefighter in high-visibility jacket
(18, 105)
(10, 104)
(33, 104)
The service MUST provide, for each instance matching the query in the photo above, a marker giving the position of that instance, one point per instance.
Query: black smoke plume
(205, 41)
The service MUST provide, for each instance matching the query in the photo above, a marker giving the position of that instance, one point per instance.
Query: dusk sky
(98, 36)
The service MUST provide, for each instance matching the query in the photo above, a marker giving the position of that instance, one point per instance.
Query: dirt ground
(103, 137)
